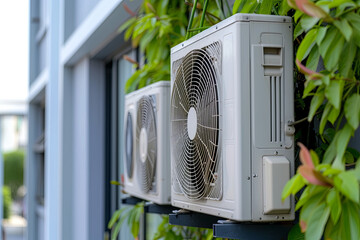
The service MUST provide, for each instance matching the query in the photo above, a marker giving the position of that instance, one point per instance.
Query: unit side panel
(242, 185)
(272, 108)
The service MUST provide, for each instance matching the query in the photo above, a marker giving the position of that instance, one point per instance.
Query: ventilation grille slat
(276, 130)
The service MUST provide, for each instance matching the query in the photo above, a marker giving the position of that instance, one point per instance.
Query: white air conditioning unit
(232, 150)
(147, 154)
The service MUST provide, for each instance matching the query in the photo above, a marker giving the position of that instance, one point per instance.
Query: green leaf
(292, 186)
(347, 59)
(333, 115)
(357, 170)
(306, 45)
(344, 27)
(316, 193)
(333, 54)
(321, 34)
(348, 157)
(115, 217)
(330, 152)
(316, 102)
(334, 92)
(330, 35)
(298, 31)
(284, 8)
(127, 24)
(334, 203)
(237, 5)
(317, 221)
(115, 183)
(324, 117)
(249, 6)
(326, 80)
(295, 233)
(265, 7)
(308, 22)
(118, 226)
(351, 219)
(313, 59)
(341, 144)
(331, 172)
(298, 15)
(309, 86)
(352, 110)
(354, 20)
(348, 185)
(314, 157)
(355, 153)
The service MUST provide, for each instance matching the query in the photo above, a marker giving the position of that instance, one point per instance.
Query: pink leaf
(128, 10)
(303, 225)
(305, 156)
(311, 9)
(313, 177)
(308, 72)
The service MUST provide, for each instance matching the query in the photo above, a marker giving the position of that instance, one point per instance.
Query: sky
(14, 24)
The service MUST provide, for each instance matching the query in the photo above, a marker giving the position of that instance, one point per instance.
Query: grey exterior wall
(70, 43)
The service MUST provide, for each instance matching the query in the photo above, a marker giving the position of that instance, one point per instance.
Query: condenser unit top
(239, 17)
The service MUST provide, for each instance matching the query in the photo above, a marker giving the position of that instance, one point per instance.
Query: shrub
(14, 170)
(7, 202)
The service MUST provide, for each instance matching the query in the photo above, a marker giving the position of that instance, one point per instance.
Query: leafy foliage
(327, 39)
(328, 32)
(158, 26)
(164, 230)
(327, 44)
(171, 232)
(131, 214)
(14, 170)
(6, 202)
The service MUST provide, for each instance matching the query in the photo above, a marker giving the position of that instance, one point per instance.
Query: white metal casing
(256, 54)
(161, 92)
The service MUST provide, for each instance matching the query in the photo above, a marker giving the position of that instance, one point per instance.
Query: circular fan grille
(195, 124)
(129, 145)
(146, 142)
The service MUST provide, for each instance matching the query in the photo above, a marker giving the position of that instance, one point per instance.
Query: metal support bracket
(192, 219)
(252, 231)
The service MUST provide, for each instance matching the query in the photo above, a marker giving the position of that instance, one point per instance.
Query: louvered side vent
(276, 130)
(268, 99)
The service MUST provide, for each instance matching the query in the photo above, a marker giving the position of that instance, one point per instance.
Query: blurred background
(14, 23)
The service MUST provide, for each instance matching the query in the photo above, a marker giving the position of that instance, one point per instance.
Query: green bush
(6, 202)
(14, 170)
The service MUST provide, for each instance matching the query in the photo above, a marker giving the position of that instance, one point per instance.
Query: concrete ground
(14, 228)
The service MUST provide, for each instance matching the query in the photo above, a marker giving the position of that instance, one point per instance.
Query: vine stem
(301, 120)
(203, 13)
(191, 19)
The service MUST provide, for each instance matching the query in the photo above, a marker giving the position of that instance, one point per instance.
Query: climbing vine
(327, 80)
(328, 179)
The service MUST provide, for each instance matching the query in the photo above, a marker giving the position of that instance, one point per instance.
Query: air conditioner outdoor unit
(147, 154)
(232, 147)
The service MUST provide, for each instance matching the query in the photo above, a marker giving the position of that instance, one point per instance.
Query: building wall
(70, 44)
(80, 146)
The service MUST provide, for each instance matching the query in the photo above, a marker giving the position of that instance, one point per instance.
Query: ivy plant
(158, 26)
(132, 215)
(327, 39)
(329, 57)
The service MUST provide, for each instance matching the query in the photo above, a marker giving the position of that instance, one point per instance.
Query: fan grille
(195, 107)
(129, 145)
(146, 142)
